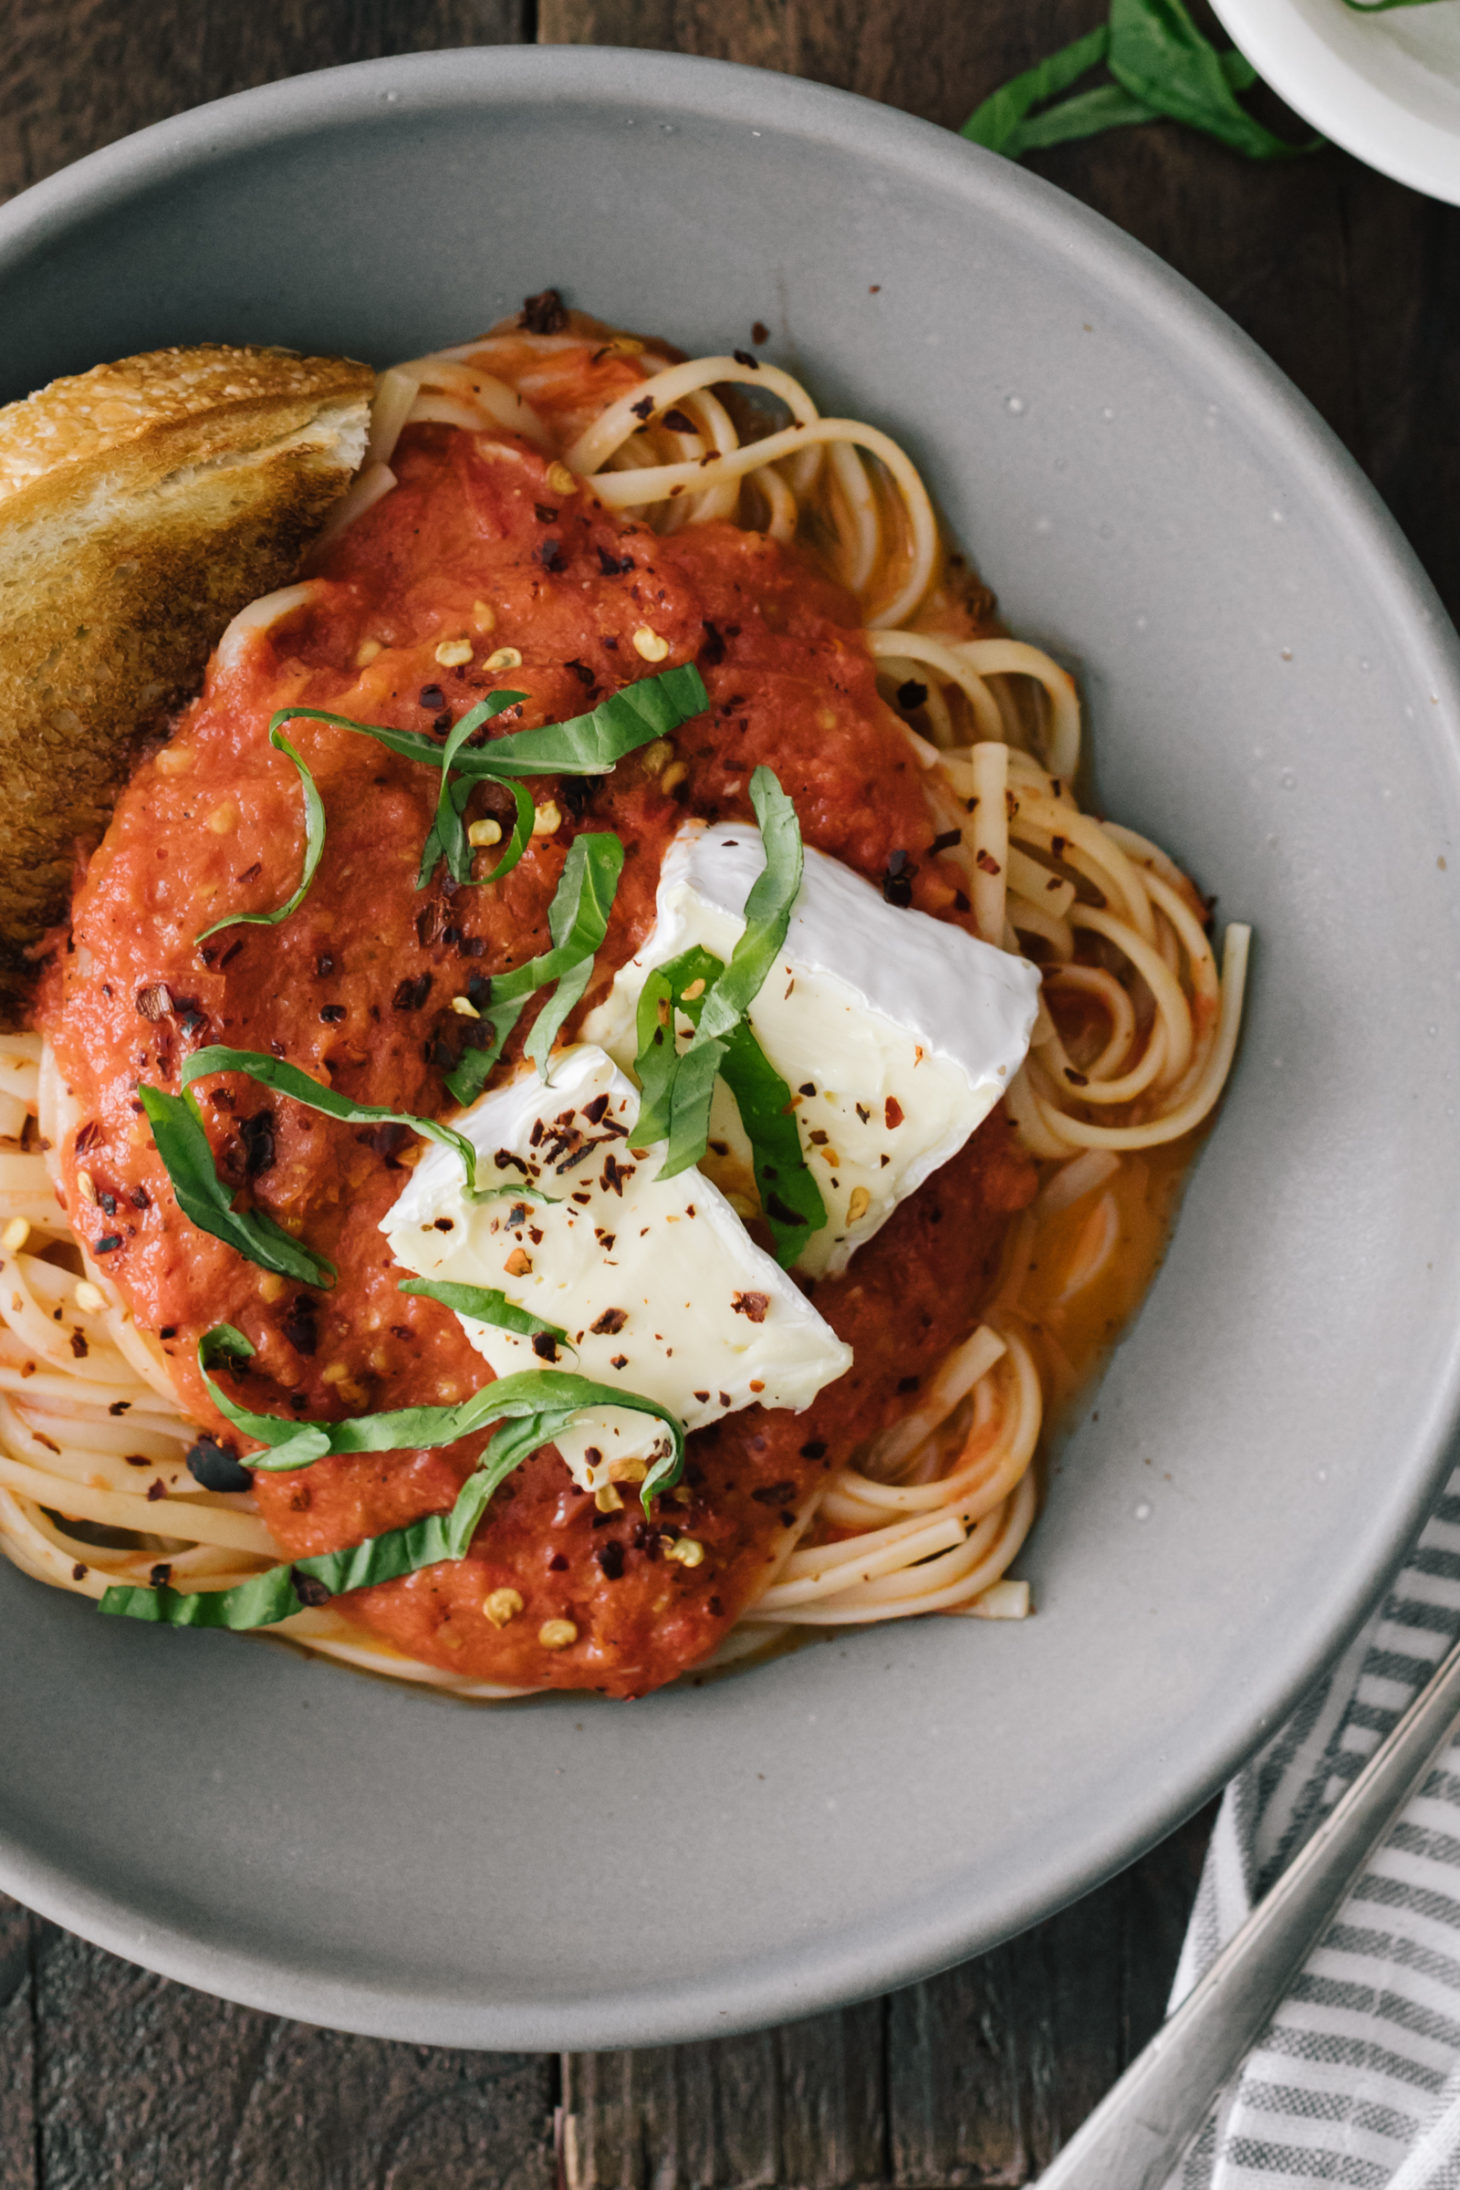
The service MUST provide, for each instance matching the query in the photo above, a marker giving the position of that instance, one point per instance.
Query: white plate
(1386, 86)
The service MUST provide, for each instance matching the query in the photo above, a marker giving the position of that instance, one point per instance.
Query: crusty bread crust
(141, 506)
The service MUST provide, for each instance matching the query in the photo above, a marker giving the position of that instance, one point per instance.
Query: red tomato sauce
(355, 988)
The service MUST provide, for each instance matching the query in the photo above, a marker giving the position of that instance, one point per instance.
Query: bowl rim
(1342, 101)
(919, 1938)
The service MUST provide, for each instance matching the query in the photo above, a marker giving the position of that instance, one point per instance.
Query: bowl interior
(1273, 696)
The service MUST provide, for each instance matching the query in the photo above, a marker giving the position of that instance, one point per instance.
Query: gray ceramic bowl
(1274, 695)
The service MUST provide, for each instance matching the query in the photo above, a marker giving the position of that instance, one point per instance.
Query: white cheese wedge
(896, 1033)
(656, 1281)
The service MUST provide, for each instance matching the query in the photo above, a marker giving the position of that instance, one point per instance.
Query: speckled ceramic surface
(1274, 695)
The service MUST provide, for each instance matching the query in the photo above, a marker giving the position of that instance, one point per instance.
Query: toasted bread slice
(141, 506)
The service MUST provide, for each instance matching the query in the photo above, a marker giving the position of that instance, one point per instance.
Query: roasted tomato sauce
(356, 987)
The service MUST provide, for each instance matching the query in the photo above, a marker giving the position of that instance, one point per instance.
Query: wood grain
(114, 2080)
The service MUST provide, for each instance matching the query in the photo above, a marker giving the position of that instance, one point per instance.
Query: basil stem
(485, 1304)
(182, 1142)
(313, 845)
(577, 922)
(789, 1195)
(287, 1079)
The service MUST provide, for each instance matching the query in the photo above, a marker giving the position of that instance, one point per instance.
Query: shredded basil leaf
(730, 995)
(577, 922)
(789, 1195)
(1163, 68)
(540, 1401)
(447, 834)
(287, 1079)
(589, 745)
(182, 1142)
(314, 829)
(486, 1304)
(274, 1595)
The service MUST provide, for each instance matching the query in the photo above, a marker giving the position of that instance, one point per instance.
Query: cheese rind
(897, 1033)
(657, 1282)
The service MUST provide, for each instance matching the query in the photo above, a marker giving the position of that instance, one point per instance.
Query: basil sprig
(287, 1079)
(577, 923)
(789, 1195)
(535, 1408)
(1161, 67)
(313, 843)
(182, 1143)
(486, 1304)
(680, 1089)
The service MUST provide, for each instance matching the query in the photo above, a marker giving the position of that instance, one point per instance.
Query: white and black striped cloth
(1357, 2079)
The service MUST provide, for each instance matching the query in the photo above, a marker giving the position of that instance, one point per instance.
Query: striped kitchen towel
(1357, 2079)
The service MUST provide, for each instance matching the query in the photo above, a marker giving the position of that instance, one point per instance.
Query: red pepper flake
(543, 514)
(79, 1346)
(1076, 1079)
(582, 672)
(550, 553)
(432, 698)
(643, 407)
(156, 1490)
(332, 1014)
(753, 1306)
(155, 1002)
(79, 1572)
(679, 422)
(946, 839)
(619, 1361)
(610, 1323)
(410, 995)
(593, 1111)
(610, 1557)
(544, 314)
(912, 695)
(743, 357)
(774, 1494)
(109, 1243)
(892, 1112)
(614, 566)
(760, 332)
(308, 1588)
(613, 1174)
(988, 863)
(160, 1575)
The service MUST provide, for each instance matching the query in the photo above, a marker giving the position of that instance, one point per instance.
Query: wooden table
(114, 2080)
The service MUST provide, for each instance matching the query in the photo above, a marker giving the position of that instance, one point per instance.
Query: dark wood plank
(143, 2085)
(974, 2078)
(77, 74)
(19, 2143)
